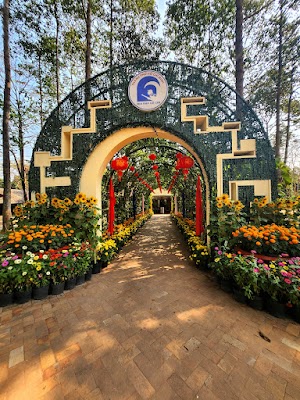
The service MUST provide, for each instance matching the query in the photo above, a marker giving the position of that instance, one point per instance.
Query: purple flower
(5, 263)
(219, 252)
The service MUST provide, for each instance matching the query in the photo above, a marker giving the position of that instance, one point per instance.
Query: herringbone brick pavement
(150, 326)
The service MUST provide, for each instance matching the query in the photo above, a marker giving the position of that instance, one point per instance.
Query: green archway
(242, 166)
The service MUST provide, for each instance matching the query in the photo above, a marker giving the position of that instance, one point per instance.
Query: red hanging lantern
(187, 162)
(156, 174)
(155, 167)
(152, 157)
(131, 168)
(179, 155)
(119, 164)
(136, 174)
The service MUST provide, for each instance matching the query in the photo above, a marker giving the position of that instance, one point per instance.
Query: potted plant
(222, 267)
(40, 277)
(249, 276)
(7, 274)
(105, 251)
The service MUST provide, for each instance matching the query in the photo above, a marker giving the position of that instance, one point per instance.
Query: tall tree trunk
(239, 57)
(57, 67)
(278, 83)
(288, 128)
(40, 90)
(111, 26)
(21, 151)
(88, 53)
(6, 115)
(111, 35)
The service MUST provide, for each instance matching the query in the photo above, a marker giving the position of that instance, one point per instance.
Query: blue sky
(162, 6)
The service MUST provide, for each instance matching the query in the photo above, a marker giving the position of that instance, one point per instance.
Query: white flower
(24, 273)
(28, 253)
(24, 247)
(45, 257)
(64, 251)
(10, 267)
(12, 254)
(30, 261)
(48, 273)
(42, 251)
(18, 261)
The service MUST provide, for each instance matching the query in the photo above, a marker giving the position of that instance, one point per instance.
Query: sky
(162, 6)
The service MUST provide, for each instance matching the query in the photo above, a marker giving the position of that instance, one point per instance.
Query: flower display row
(199, 251)
(268, 239)
(276, 280)
(38, 256)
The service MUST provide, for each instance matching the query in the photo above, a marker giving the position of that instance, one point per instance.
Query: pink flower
(15, 257)
(219, 252)
(253, 251)
(256, 270)
(260, 261)
(5, 263)
(288, 281)
(266, 267)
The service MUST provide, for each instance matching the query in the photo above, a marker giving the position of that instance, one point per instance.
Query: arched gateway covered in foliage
(97, 119)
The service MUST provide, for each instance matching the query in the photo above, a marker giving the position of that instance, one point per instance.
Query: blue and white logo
(148, 90)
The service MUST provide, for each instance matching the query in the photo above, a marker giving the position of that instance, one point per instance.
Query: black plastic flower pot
(88, 275)
(70, 284)
(226, 285)
(257, 302)
(6, 299)
(239, 295)
(22, 297)
(57, 288)
(40, 293)
(97, 267)
(275, 308)
(80, 279)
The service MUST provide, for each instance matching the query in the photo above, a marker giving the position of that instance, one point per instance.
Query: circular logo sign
(148, 90)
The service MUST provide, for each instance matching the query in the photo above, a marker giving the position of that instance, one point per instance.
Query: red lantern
(132, 168)
(187, 162)
(155, 167)
(179, 155)
(156, 174)
(120, 164)
(152, 157)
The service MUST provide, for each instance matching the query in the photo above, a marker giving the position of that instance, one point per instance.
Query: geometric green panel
(183, 81)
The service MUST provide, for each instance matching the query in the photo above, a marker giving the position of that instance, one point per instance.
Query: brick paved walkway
(151, 326)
